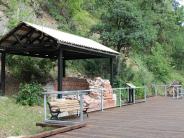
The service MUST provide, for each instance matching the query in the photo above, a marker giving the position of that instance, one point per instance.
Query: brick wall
(70, 83)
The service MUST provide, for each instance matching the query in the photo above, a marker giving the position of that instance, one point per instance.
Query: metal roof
(67, 38)
(39, 41)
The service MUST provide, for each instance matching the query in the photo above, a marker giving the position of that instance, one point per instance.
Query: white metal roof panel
(67, 38)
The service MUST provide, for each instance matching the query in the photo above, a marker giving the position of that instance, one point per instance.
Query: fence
(120, 96)
(179, 93)
(163, 90)
(79, 95)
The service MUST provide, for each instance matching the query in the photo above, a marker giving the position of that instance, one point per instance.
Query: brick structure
(93, 99)
(71, 83)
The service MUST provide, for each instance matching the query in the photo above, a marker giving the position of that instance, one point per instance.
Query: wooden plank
(71, 122)
(157, 118)
(56, 131)
(18, 40)
(28, 35)
(51, 125)
(11, 32)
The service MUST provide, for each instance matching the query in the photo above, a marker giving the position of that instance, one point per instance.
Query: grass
(16, 120)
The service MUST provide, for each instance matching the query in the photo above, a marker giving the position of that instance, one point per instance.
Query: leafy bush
(159, 64)
(30, 94)
(29, 68)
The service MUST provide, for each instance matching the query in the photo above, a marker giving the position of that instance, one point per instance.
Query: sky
(181, 2)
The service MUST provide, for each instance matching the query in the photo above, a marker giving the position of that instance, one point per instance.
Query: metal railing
(179, 93)
(79, 95)
(162, 90)
(120, 96)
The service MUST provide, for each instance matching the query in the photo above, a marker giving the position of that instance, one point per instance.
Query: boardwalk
(159, 117)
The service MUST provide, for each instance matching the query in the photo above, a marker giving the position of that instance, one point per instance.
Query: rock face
(93, 98)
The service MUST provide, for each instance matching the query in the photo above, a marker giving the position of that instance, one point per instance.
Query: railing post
(156, 92)
(128, 94)
(81, 107)
(78, 98)
(120, 103)
(165, 89)
(177, 92)
(173, 92)
(77, 94)
(102, 106)
(145, 93)
(134, 95)
(45, 107)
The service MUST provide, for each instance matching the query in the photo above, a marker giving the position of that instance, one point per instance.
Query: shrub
(159, 64)
(29, 68)
(30, 94)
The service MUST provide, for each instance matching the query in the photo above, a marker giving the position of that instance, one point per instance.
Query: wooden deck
(159, 117)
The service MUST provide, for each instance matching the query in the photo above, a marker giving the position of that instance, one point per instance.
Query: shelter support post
(2, 81)
(60, 71)
(64, 68)
(111, 71)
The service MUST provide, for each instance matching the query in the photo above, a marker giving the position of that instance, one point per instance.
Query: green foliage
(121, 25)
(124, 73)
(177, 50)
(19, 120)
(142, 75)
(18, 11)
(158, 63)
(25, 68)
(149, 31)
(133, 70)
(28, 68)
(97, 67)
(148, 27)
(72, 15)
(30, 94)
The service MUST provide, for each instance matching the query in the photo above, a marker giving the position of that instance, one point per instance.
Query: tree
(121, 25)
(29, 69)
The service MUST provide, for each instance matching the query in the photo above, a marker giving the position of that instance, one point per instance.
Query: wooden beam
(60, 71)
(18, 40)
(57, 131)
(11, 32)
(79, 49)
(41, 38)
(32, 48)
(36, 38)
(34, 55)
(51, 125)
(82, 58)
(24, 28)
(22, 37)
(2, 78)
(9, 41)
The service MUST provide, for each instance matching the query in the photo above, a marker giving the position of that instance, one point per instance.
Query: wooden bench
(64, 105)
